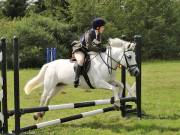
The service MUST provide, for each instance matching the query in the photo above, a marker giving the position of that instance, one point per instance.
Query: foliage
(82, 13)
(62, 21)
(14, 8)
(57, 9)
(154, 21)
(36, 34)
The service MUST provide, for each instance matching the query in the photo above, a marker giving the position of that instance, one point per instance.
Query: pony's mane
(117, 42)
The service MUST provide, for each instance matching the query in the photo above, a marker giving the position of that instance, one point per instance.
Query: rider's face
(101, 29)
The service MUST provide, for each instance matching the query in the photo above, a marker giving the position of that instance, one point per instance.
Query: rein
(110, 59)
(110, 68)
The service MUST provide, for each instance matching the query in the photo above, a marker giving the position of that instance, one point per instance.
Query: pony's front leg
(119, 85)
(106, 85)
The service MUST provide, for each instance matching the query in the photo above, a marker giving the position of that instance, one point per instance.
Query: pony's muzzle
(134, 71)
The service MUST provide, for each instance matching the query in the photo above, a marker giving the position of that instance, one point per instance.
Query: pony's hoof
(35, 117)
(38, 115)
(41, 114)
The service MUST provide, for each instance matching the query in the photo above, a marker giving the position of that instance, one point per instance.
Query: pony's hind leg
(49, 85)
(42, 101)
(45, 99)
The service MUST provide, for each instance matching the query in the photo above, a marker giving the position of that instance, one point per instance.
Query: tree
(58, 9)
(14, 8)
(38, 6)
(82, 12)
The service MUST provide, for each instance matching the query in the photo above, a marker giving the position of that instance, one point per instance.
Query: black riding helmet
(98, 22)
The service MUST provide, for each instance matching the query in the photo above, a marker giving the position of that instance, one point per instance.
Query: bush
(36, 33)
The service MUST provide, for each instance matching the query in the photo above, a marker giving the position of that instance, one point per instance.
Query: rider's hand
(95, 42)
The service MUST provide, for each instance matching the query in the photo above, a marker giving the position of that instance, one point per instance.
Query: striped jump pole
(128, 99)
(66, 119)
(65, 106)
(72, 105)
(4, 107)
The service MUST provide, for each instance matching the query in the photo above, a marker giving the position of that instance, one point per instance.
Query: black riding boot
(77, 75)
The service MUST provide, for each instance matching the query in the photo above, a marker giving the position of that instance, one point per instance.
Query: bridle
(129, 67)
(110, 67)
(109, 57)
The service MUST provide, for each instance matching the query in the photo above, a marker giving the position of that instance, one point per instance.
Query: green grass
(160, 103)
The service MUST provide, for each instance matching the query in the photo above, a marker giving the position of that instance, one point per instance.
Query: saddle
(86, 67)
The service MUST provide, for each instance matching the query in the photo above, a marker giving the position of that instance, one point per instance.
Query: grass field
(160, 103)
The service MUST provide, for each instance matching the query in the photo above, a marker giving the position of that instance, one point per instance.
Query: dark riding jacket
(87, 43)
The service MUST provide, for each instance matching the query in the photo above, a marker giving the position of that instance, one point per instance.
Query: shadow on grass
(116, 127)
(161, 117)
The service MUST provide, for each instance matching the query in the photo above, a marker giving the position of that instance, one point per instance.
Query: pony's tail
(36, 81)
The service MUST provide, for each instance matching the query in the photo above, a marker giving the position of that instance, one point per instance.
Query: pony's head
(128, 58)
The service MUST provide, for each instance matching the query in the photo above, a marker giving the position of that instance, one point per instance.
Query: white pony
(61, 72)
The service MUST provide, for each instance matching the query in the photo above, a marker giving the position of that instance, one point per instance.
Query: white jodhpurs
(79, 57)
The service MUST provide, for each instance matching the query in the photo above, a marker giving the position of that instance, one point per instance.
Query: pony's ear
(131, 46)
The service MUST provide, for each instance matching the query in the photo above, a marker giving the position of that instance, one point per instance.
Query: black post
(123, 80)
(138, 40)
(4, 87)
(1, 124)
(16, 86)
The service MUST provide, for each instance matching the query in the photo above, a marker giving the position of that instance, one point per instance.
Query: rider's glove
(95, 42)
